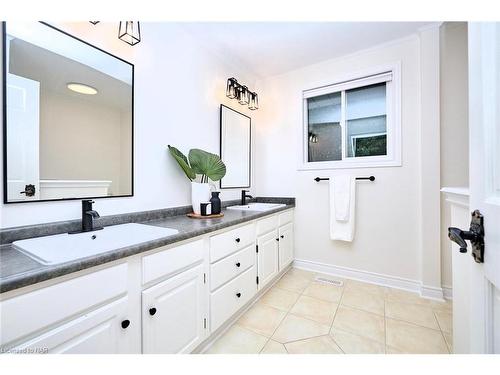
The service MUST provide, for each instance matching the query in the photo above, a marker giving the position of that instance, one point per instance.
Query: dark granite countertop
(18, 270)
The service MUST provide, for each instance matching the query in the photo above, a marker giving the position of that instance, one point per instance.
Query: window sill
(348, 164)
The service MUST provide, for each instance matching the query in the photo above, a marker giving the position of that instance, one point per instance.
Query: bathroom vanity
(170, 295)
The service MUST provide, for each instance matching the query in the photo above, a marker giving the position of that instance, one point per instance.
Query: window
(353, 123)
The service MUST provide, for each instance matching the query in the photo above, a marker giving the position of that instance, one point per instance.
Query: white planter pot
(199, 193)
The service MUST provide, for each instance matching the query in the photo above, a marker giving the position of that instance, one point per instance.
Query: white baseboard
(447, 292)
(373, 278)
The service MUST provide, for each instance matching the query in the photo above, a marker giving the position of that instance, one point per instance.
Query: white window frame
(391, 74)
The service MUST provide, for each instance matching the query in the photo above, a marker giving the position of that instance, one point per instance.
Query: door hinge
(205, 323)
(204, 278)
(257, 279)
(256, 248)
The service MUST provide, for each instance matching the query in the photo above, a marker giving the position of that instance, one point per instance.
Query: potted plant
(200, 167)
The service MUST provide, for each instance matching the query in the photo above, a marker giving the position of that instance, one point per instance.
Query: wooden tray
(196, 216)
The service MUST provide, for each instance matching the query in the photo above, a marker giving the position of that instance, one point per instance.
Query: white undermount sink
(257, 207)
(62, 248)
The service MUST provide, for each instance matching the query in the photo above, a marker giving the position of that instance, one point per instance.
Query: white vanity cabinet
(87, 314)
(167, 300)
(274, 245)
(268, 261)
(175, 299)
(233, 275)
(174, 314)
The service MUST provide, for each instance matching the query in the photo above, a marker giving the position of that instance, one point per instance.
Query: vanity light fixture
(81, 88)
(243, 95)
(234, 90)
(129, 32)
(253, 104)
(231, 90)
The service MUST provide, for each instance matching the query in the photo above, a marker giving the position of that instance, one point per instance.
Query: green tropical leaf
(183, 162)
(206, 163)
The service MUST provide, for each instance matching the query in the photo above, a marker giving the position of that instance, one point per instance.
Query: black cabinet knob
(277, 239)
(238, 264)
(238, 240)
(152, 311)
(125, 323)
(238, 295)
(282, 236)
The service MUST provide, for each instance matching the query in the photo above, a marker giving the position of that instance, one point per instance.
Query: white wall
(179, 86)
(454, 125)
(82, 140)
(388, 217)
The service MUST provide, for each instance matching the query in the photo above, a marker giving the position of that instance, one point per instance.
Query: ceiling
(271, 48)
(36, 63)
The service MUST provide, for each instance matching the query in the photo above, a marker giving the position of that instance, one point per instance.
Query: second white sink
(62, 248)
(257, 206)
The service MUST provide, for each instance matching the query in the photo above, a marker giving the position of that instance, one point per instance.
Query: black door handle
(152, 311)
(238, 295)
(475, 235)
(29, 190)
(125, 323)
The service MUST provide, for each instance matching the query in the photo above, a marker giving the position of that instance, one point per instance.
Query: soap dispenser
(215, 203)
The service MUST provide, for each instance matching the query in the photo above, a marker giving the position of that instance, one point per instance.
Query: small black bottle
(216, 203)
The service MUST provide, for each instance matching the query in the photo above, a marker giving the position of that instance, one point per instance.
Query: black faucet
(88, 216)
(244, 197)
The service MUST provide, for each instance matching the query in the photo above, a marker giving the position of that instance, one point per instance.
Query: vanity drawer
(225, 301)
(285, 217)
(227, 243)
(266, 225)
(171, 260)
(226, 269)
(42, 308)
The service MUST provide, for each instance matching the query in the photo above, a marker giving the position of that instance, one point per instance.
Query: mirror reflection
(235, 128)
(69, 117)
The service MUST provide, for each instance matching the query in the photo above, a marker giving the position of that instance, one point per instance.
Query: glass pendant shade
(129, 32)
(231, 88)
(254, 101)
(243, 95)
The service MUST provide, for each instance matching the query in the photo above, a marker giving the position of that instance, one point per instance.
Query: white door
(102, 331)
(484, 166)
(267, 257)
(174, 314)
(23, 123)
(286, 245)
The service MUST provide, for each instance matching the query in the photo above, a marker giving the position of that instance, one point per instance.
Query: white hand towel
(341, 197)
(342, 208)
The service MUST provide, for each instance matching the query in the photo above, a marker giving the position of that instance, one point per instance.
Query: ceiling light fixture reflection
(81, 88)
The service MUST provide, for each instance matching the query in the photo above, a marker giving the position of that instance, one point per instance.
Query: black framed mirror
(68, 117)
(235, 148)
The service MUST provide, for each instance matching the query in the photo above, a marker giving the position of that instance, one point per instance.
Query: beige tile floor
(301, 316)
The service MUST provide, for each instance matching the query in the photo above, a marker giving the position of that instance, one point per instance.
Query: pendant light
(129, 32)
(254, 101)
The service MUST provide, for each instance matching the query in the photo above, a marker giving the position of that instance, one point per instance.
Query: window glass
(366, 121)
(324, 131)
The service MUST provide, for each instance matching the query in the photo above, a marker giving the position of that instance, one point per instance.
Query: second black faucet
(244, 197)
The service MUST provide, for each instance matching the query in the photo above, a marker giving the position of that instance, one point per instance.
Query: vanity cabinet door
(267, 257)
(174, 313)
(106, 330)
(285, 245)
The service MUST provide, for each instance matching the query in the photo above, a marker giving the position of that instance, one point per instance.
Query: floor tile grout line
(442, 333)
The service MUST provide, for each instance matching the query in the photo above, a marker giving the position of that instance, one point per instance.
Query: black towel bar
(371, 178)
